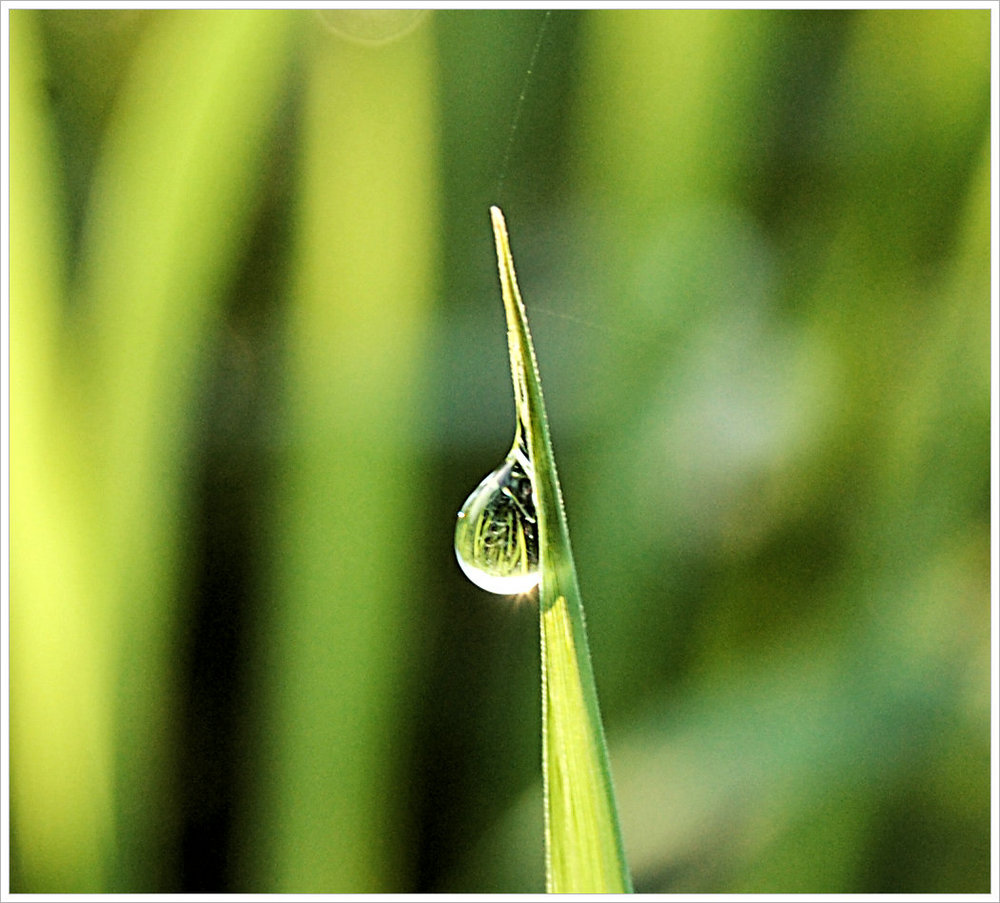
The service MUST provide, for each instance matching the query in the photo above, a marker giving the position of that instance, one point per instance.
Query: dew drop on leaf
(496, 537)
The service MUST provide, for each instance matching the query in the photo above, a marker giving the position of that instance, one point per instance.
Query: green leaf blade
(583, 846)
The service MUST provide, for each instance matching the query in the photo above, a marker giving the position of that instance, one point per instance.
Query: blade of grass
(583, 846)
(61, 756)
(170, 209)
(340, 638)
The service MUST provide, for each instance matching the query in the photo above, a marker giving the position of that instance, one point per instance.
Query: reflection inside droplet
(496, 537)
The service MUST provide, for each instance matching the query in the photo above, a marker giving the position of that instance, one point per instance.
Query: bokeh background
(258, 362)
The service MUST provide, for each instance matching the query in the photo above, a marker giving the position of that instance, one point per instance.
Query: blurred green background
(258, 362)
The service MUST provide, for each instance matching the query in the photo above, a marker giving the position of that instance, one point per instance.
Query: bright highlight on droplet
(496, 537)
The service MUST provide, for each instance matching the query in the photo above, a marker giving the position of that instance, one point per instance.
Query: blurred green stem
(171, 205)
(340, 635)
(61, 734)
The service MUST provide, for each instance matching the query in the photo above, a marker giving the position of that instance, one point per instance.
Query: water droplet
(496, 537)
